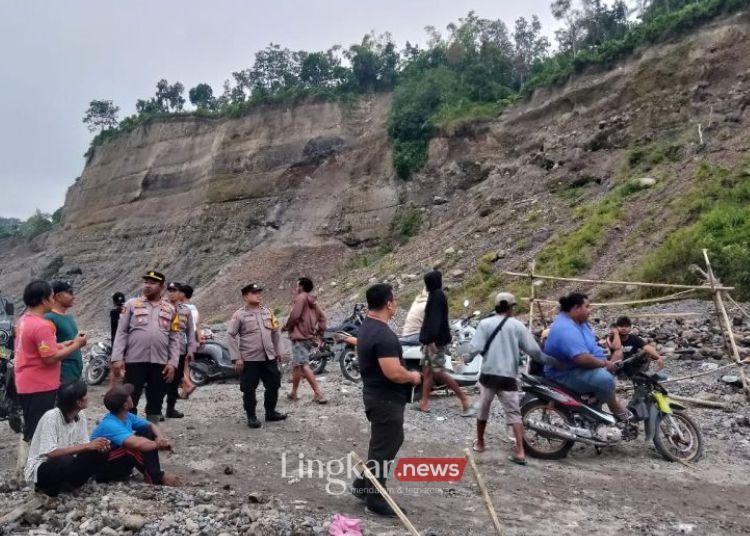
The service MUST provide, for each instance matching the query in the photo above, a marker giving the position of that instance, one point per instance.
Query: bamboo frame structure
(726, 326)
(621, 283)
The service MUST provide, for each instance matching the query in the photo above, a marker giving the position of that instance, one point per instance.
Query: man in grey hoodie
(499, 371)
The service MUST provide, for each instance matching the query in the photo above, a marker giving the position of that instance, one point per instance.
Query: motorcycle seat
(552, 383)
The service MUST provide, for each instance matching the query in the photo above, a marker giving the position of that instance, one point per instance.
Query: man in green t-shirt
(66, 329)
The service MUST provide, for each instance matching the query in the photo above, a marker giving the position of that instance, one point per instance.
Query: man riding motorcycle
(585, 368)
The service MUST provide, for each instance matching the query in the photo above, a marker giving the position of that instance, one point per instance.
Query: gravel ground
(242, 481)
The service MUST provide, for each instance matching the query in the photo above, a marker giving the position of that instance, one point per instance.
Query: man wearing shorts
(500, 338)
(435, 337)
(306, 324)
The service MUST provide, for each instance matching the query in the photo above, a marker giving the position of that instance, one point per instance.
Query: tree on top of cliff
(101, 114)
(168, 98)
(202, 97)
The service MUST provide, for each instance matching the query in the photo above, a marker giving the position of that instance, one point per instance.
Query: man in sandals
(306, 324)
(500, 339)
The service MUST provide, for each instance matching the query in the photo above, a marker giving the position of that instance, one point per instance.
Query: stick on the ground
(16, 513)
(368, 474)
(700, 402)
(485, 493)
(738, 306)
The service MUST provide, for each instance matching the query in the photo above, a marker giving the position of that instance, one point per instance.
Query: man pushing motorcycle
(585, 368)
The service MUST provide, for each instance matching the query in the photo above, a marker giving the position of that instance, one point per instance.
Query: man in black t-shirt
(385, 391)
(623, 344)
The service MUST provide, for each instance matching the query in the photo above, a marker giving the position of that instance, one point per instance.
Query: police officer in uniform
(185, 324)
(147, 345)
(253, 340)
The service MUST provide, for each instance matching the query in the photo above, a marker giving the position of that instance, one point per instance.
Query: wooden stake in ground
(622, 283)
(485, 494)
(726, 325)
(368, 474)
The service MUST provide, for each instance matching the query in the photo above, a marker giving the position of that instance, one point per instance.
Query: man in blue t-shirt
(585, 368)
(135, 441)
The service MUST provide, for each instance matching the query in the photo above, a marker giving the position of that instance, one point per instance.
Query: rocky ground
(242, 481)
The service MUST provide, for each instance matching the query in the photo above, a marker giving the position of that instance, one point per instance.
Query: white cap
(505, 297)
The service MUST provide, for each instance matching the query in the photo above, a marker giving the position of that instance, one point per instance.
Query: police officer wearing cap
(185, 324)
(147, 345)
(253, 340)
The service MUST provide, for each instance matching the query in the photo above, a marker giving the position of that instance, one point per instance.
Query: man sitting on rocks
(135, 441)
(61, 457)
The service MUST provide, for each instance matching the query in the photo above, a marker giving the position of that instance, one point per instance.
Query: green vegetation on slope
(716, 216)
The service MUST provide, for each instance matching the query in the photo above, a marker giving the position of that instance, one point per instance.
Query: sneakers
(174, 414)
(253, 422)
(275, 416)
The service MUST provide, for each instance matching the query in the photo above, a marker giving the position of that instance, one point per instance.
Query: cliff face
(219, 203)
(305, 189)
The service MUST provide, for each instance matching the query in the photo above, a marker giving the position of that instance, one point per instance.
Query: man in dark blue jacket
(435, 337)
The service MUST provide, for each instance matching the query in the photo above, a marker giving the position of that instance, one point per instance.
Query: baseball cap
(156, 276)
(61, 286)
(115, 398)
(252, 287)
(505, 297)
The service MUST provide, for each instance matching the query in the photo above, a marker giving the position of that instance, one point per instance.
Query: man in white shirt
(61, 457)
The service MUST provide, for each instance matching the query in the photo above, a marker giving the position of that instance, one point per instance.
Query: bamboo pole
(622, 283)
(700, 402)
(485, 494)
(368, 474)
(21, 510)
(531, 299)
(725, 324)
(738, 306)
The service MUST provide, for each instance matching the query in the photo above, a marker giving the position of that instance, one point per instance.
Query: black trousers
(34, 405)
(151, 376)
(253, 373)
(66, 473)
(386, 434)
(121, 461)
(174, 386)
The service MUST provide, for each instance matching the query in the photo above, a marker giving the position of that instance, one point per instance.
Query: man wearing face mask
(147, 345)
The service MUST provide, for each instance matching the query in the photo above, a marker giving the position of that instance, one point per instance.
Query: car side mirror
(9, 309)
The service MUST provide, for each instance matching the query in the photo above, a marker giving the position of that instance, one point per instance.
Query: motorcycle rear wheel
(318, 361)
(350, 365)
(668, 442)
(537, 444)
(197, 376)
(96, 371)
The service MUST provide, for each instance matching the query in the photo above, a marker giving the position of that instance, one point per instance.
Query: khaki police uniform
(253, 336)
(146, 341)
(184, 324)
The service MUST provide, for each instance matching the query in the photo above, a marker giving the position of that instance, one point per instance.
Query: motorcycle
(332, 346)
(97, 365)
(211, 362)
(555, 418)
(10, 407)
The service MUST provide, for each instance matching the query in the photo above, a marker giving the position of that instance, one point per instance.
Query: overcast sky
(58, 55)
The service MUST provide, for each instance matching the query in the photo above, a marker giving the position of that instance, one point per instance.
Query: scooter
(97, 365)
(211, 362)
(10, 407)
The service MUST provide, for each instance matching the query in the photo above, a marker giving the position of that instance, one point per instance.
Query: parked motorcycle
(333, 347)
(97, 365)
(555, 418)
(211, 362)
(10, 407)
